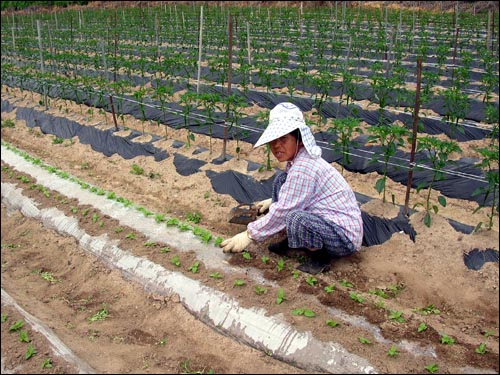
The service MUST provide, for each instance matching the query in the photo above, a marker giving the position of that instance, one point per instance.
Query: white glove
(264, 205)
(236, 244)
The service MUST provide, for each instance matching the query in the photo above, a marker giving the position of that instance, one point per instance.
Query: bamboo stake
(42, 65)
(113, 111)
(200, 44)
(230, 57)
(414, 137)
(249, 52)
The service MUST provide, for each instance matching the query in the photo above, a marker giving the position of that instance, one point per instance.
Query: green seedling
(488, 333)
(356, 297)
(364, 340)
(204, 235)
(8, 123)
(4, 318)
(215, 275)
(280, 265)
(295, 274)
(30, 352)
(10, 246)
(145, 212)
(130, 236)
(305, 312)
(48, 277)
(481, 349)
(246, 255)
(57, 140)
(397, 316)
(347, 284)
(47, 363)
(165, 250)
(16, 326)
(430, 309)
(194, 268)
(332, 323)
(188, 370)
(184, 227)
(160, 218)
(175, 261)
(281, 297)
(218, 241)
(24, 179)
(137, 170)
(265, 259)
(447, 340)
(393, 351)
(260, 290)
(432, 368)
(395, 289)
(172, 222)
(421, 327)
(101, 315)
(194, 217)
(379, 292)
(149, 243)
(329, 288)
(239, 282)
(312, 281)
(118, 229)
(23, 336)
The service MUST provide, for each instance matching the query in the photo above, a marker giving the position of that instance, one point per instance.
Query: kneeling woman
(311, 200)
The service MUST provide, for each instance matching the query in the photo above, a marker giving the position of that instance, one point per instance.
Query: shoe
(280, 248)
(318, 261)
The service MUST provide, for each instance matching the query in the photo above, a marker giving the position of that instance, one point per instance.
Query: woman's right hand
(264, 205)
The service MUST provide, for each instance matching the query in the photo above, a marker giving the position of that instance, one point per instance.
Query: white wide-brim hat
(285, 118)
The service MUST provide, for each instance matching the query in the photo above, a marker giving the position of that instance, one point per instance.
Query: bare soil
(144, 334)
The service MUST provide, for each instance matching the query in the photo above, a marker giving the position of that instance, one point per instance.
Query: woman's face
(284, 148)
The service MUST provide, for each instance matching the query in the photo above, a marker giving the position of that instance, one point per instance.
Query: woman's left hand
(236, 244)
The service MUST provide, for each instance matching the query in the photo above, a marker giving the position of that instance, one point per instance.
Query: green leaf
(332, 323)
(30, 352)
(309, 313)
(432, 368)
(23, 336)
(481, 349)
(380, 185)
(422, 327)
(427, 220)
(16, 326)
(442, 201)
(47, 363)
(364, 340)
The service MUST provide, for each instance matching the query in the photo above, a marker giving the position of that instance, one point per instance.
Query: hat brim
(269, 136)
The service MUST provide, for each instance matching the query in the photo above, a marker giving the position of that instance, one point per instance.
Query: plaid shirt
(314, 186)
